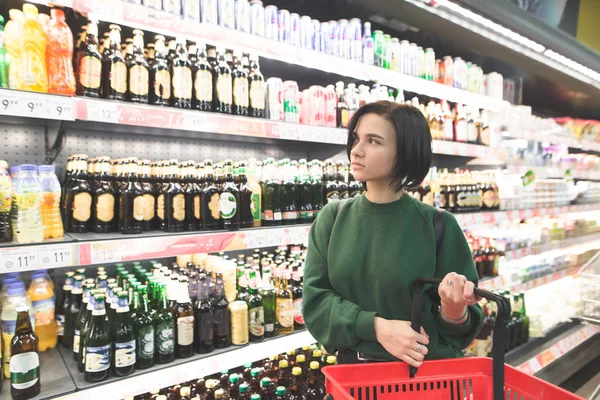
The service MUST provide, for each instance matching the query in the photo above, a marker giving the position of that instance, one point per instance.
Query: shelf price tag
(60, 109)
(102, 112)
(105, 253)
(275, 237)
(255, 239)
(9, 104)
(297, 235)
(18, 259)
(55, 256)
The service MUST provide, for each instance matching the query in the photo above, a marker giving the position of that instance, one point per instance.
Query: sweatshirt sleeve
(455, 256)
(333, 321)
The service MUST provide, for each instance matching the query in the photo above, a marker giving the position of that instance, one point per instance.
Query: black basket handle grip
(500, 328)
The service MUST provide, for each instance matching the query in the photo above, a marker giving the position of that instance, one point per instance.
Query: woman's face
(373, 155)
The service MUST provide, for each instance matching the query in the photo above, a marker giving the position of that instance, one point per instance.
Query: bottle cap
(317, 353)
(255, 372)
(331, 360)
(300, 358)
(296, 371)
(314, 365)
(244, 388)
(283, 364)
(265, 382)
(184, 391)
(16, 288)
(234, 378)
(280, 391)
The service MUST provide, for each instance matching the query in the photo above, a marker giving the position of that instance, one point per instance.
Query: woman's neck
(382, 193)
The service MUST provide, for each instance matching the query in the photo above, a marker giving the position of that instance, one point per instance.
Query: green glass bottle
(229, 202)
(525, 337)
(271, 191)
(256, 314)
(268, 297)
(97, 343)
(303, 194)
(85, 327)
(123, 338)
(144, 331)
(316, 185)
(164, 328)
(288, 193)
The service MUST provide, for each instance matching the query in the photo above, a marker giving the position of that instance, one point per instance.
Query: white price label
(104, 253)
(54, 256)
(256, 240)
(18, 259)
(298, 235)
(102, 112)
(61, 109)
(32, 107)
(276, 237)
(286, 131)
(9, 104)
(305, 134)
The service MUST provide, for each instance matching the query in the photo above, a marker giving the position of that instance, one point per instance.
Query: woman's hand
(398, 338)
(456, 293)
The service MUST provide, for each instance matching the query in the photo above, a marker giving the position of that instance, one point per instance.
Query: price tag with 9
(18, 259)
(9, 105)
(61, 110)
(54, 256)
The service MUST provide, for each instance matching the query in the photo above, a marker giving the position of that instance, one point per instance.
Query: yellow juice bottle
(33, 55)
(42, 297)
(13, 36)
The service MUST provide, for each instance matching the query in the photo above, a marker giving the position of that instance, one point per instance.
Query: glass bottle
(222, 331)
(316, 187)
(144, 331)
(98, 343)
(123, 338)
(184, 316)
(164, 329)
(284, 306)
(78, 199)
(103, 199)
(525, 318)
(271, 196)
(314, 390)
(297, 293)
(160, 75)
(223, 85)
(288, 194)
(114, 69)
(192, 197)
(82, 317)
(211, 214)
(229, 201)
(203, 80)
(256, 315)
(139, 76)
(131, 201)
(174, 200)
(149, 196)
(254, 185)
(182, 77)
(89, 64)
(303, 196)
(256, 89)
(205, 319)
(240, 86)
(24, 361)
(62, 310)
(341, 179)
(246, 200)
(72, 312)
(268, 295)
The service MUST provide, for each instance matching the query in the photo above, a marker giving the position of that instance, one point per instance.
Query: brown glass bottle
(256, 89)
(160, 75)
(139, 76)
(203, 81)
(149, 196)
(114, 69)
(240, 86)
(89, 64)
(229, 203)
(78, 199)
(246, 204)
(184, 321)
(131, 201)
(211, 193)
(222, 85)
(222, 330)
(211, 56)
(24, 361)
(159, 190)
(103, 199)
(174, 200)
(452, 193)
(128, 51)
(182, 83)
(192, 197)
(172, 53)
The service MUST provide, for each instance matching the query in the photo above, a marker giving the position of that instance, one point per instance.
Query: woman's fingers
(411, 361)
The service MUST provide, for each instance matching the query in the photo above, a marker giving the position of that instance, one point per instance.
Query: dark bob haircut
(413, 138)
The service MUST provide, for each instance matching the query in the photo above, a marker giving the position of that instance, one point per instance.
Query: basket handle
(500, 328)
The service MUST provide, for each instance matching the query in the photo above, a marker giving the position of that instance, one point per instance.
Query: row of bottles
(463, 124)
(486, 254)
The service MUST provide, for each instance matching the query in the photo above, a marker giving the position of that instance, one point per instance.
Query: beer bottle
(138, 71)
(297, 386)
(182, 77)
(268, 296)
(123, 338)
(149, 197)
(316, 187)
(174, 200)
(144, 332)
(240, 86)
(192, 197)
(256, 315)
(150, 53)
(72, 312)
(131, 201)
(517, 338)
(272, 196)
(211, 194)
(160, 75)
(164, 329)
(297, 294)
(25, 380)
(222, 331)
(222, 85)
(78, 199)
(128, 51)
(244, 390)
(303, 194)
(288, 194)
(257, 89)
(89, 64)
(63, 309)
(341, 180)
(284, 306)
(314, 390)
(193, 54)
(103, 199)
(80, 322)
(203, 81)
(172, 54)
(211, 57)
(184, 317)
(229, 202)
(97, 343)
(114, 70)
(331, 187)
(204, 319)
(524, 317)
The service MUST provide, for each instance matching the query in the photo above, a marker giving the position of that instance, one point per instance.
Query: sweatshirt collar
(387, 208)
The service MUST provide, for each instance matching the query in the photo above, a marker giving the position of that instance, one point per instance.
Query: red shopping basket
(453, 379)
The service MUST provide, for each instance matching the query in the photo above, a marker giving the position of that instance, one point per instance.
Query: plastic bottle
(26, 213)
(33, 55)
(16, 297)
(5, 203)
(43, 301)
(3, 57)
(13, 37)
(53, 227)
(61, 78)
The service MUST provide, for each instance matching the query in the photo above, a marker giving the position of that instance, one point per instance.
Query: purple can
(209, 12)
(316, 36)
(271, 22)
(242, 15)
(334, 38)
(226, 13)
(306, 32)
(344, 39)
(295, 29)
(325, 37)
(257, 18)
(284, 26)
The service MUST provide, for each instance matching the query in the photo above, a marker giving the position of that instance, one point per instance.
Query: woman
(363, 259)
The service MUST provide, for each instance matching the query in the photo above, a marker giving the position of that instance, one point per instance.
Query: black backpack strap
(341, 204)
(438, 227)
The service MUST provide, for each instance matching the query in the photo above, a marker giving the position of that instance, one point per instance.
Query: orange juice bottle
(33, 55)
(61, 78)
(53, 227)
(13, 37)
(42, 298)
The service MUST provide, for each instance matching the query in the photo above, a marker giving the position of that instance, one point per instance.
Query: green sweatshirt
(362, 263)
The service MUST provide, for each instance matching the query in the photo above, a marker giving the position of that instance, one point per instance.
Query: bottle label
(162, 84)
(345, 117)
(222, 321)
(298, 317)
(268, 215)
(197, 206)
(149, 204)
(489, 198)
(213, 206)
(203, 86)
(227, 205)
(179, 207)
(60, 324)
(182, 83)
(138, 80)
(90, 72)
(485, 136)
(285, 312)
(472, 133)
(5, 194)
(448, 131)
(269, 328)
(97, 358)
(185, 330)
(461, 131)
(255, 206)
(290, 215)
(105, 207)
(160, 206)
(139, 206)
(145, 343)
(76, 337)
(332, 195)
(240, 92)
(452, 200)
(277, 216)
(224, 89)
(305, 214)
(207, 323)
(256, 321)
(82, 206)
(43, 311)
(165, 338)
(118, 77)
(257, 95)
(124, 354)
(24, 370)
(239, 326)
(462, 199)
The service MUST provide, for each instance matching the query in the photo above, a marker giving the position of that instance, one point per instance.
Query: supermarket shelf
(170, 25)
(554, 136)
(90, 249)
(181, 370)
(501, 281)
(55, 378)
(553, 245)
(553, 172)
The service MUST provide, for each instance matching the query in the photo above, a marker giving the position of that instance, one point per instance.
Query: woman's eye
(373, 141)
